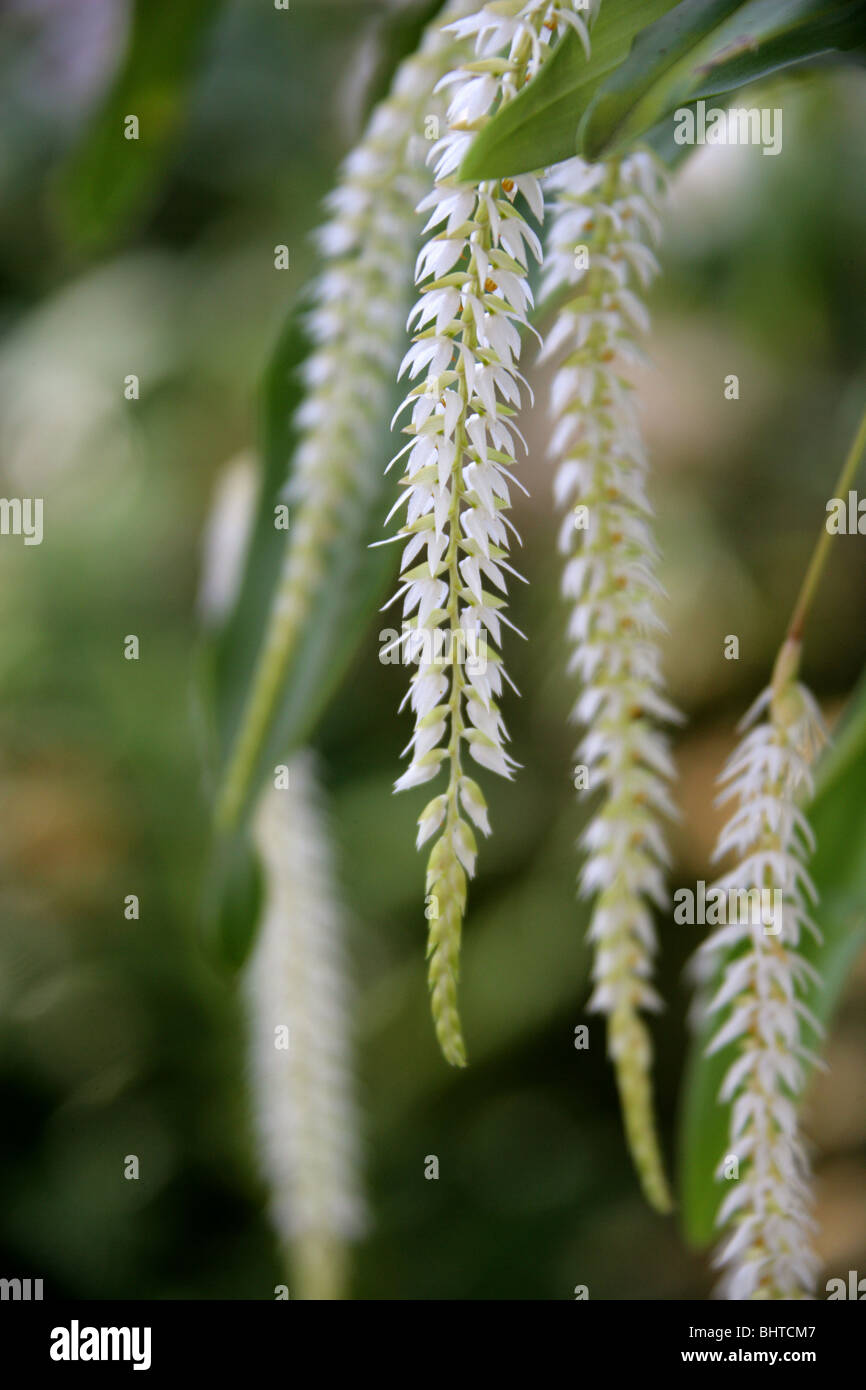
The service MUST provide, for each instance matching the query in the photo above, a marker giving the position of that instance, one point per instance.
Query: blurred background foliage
(120, 1037)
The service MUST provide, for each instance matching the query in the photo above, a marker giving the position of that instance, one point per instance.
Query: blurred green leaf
(706, 48)
(234, 895)
(538, 127)
(108, 179)
(354, 579)
(236, 647)
(838, 818)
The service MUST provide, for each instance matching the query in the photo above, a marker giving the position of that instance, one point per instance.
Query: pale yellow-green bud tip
(631, 1053)
(446, 903)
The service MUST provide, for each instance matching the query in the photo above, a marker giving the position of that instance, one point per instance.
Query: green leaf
(538, 127)
(226, 659)
(838, 867)
(338, 618)
(347, 596)
(706, 48)
(234, 894)
(109, 179)
(236, 646)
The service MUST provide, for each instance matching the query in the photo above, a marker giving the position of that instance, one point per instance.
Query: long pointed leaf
(109, 179)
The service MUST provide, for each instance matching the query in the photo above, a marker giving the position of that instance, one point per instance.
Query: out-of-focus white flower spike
(601, 218)
(300, 1056)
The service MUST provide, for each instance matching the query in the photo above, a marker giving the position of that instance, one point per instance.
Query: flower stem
(819, 554)
(446, 881)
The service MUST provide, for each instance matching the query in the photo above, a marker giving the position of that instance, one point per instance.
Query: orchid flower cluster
(767, 1252)
(598, 255)
(458, 472)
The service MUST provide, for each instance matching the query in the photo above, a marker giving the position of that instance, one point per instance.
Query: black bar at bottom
(160, 1339)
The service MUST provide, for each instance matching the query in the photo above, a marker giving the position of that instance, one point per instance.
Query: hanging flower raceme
(767, 1253)
(300, 1045)
(296, 982)
(474, 299)
(597, 252)
(356, 324)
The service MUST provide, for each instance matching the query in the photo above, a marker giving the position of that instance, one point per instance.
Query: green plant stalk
(822, 546)
(446, 878)
(787, 663)
(277, 647)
